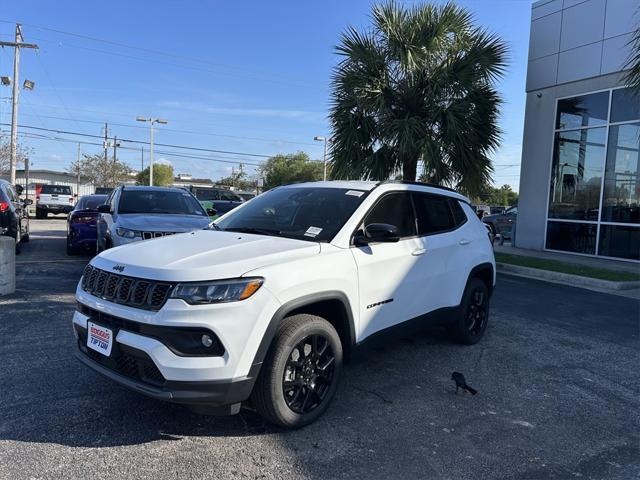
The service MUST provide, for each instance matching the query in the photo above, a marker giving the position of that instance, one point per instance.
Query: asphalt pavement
(557, 375)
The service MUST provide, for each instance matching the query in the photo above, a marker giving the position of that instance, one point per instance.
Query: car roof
(149, 188)
(369, 185)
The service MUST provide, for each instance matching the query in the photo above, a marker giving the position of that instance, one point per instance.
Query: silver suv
(132, 214)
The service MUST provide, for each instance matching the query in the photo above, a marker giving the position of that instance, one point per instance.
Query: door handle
(420, 251)
(464, 242)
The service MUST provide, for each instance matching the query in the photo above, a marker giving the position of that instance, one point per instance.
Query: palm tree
(417, 86)
(633, 75)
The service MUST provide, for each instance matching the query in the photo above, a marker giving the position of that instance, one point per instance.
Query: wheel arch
(333, 306)
(484, 272)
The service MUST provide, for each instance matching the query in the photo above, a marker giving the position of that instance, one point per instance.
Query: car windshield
(91, 202)
(314, 214)
(56, 190)
(159, 201)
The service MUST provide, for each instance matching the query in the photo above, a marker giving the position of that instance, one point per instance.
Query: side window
(11, 194)
(394, 209)
(113, 200)
(512, 211)
(459, 216)
(434, 214)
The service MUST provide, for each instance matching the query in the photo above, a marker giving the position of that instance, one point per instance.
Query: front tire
(473, 313)
(300, 375)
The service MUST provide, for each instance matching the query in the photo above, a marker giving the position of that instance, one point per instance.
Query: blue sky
(238, 76)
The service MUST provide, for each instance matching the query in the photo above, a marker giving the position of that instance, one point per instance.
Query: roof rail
(422, 184)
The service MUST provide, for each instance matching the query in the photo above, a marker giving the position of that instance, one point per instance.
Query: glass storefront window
(572, 237)
(625, 106)
(622, 175)
(619, 241)
(583, 111)
(576, 174)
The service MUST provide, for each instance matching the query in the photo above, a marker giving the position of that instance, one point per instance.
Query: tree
(240, 180)
(503, 196)
(291, 168)
(418, 86)
(162, 175)
(22, 153)
(633, 75)
(100, 171)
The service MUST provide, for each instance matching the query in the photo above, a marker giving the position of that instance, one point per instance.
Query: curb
(569, 279)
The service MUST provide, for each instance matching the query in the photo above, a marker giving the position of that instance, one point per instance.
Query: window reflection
(572, 237)
(624, 106)
(577, 174)
(622, 179)
(584, 111)
(620, 241)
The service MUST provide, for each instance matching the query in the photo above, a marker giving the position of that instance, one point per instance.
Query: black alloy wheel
(477, 311)
(308, 374)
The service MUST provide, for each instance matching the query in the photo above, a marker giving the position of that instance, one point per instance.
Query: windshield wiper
(257, 231)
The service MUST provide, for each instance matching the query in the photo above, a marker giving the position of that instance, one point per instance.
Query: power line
(66, 132)
(175, 130)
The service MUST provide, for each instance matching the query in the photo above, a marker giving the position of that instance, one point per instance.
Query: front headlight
(219, 291)
(126, 233)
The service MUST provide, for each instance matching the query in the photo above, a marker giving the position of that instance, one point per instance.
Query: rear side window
(459, 216)
(56, 190)
(434, 214)
(394, 209)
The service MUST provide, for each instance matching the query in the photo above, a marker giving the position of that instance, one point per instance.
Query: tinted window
(229, 195)
(624, 106)
(11, 194)
(621, 200)
(206, 194)
(91, 202)
(314, 214)
(56, 190)
(572, 237)
(159, 202)
(620, 241)
(459, 216)
(583, 111)
(434, 214)
(394, 209)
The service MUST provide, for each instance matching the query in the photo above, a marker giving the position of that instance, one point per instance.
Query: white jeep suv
(261, 308)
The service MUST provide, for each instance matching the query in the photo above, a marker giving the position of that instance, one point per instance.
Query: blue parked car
(81, 224)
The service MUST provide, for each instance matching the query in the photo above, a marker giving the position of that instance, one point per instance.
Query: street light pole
(152, 121)
(324, 155)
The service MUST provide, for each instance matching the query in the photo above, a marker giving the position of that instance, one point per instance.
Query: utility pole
(78, 172)
(17, 45)
(141, 158)
(26, 177)
(106, 140)
(115, 145)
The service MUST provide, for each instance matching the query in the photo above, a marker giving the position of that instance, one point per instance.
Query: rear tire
(300, 374)
(473, 313)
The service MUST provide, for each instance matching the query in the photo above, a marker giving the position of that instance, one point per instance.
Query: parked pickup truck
(53, 199)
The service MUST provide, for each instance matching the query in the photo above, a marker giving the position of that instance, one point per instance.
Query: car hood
(161, 222)
(202, 255)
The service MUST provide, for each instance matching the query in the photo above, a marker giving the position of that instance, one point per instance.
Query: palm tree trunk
(410, 169)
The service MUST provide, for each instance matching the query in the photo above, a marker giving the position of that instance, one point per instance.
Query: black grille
(150, 235)
(133, 292)
(129, 362)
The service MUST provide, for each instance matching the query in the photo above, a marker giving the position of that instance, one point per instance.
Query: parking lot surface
(557, 374)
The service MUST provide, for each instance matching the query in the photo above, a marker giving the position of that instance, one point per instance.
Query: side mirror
(105, 208)
(212, 212)
(378, 233)
(28, 202)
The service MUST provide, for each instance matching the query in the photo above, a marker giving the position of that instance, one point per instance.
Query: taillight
(4, 206)
(82, 219)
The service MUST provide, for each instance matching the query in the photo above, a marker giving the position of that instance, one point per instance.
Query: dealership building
(580, 174)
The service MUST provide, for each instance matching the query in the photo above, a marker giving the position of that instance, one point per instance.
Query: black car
(222, 200)
(14, 218)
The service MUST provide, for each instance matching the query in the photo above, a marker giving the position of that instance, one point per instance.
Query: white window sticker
(355, 193)
(312, 232)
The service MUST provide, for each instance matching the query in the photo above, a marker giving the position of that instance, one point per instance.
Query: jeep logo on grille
(119, 268)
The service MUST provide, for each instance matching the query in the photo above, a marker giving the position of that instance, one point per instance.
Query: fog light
(207, 341)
